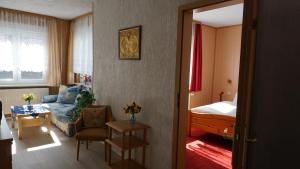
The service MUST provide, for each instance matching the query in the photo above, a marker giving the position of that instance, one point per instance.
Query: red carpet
(207, 151)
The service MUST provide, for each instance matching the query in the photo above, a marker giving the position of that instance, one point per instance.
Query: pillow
(49, 99)
(70, 95)
(94, 117)
(235, 100)
(61, 93)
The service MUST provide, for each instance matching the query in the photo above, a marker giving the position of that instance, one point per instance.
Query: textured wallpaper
(149, 81)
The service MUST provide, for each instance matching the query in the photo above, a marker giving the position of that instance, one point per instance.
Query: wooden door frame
(246, 74)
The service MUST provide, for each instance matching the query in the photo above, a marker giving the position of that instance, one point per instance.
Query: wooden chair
(90, 126)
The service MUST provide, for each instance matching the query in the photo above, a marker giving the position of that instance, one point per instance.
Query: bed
(217, 118)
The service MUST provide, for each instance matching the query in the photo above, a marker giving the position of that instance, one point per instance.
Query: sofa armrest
(49, 99)
(78, 124)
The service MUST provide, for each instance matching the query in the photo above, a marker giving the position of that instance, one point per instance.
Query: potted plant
(132, 110)
(84, 99)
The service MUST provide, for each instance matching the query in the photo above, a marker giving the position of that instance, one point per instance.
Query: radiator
(11, 97)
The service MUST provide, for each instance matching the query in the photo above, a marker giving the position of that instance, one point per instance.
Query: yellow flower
(132, 109)
(28, 97)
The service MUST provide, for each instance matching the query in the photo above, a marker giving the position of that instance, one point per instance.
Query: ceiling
(220, 17)
(64, 9)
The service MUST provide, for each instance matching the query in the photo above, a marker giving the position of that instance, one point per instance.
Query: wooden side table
(126, 142)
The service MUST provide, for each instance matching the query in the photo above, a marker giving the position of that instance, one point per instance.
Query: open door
(242, 128)
(274, 122)
(241, 138)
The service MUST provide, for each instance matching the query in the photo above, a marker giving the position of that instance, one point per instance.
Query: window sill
(22, 86)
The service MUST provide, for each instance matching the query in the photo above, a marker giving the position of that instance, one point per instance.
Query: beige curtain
(63, 30)
(58, 39)
(70, 73)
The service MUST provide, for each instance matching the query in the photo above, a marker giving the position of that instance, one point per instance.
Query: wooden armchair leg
(78, 147)
(87, 144)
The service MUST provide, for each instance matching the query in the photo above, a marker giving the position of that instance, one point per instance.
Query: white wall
(149, 81)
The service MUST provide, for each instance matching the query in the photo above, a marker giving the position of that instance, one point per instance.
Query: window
(83, 46)
(24, 49)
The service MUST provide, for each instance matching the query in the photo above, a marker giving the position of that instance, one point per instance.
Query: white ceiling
(220, 17)
(64, 9)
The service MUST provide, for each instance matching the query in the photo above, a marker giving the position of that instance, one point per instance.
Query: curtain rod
(30, 13)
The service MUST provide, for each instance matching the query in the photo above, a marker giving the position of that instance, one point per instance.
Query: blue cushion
(61, 93)
(69, 95)
(49, 99)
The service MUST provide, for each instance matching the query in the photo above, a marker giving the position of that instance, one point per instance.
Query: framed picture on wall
(130, 43)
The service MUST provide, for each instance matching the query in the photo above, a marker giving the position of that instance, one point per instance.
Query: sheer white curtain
(83, 45)
(23, 46)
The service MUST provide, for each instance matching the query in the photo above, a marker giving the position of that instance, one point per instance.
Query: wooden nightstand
(126, 142)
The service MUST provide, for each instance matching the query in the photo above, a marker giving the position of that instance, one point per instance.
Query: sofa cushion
(94, 117)
(68, 95)
(62, 112)
(71, 95)
(92, 134)
(61, 93)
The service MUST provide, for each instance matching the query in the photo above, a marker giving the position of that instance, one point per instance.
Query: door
(241, 138)
(275, 110)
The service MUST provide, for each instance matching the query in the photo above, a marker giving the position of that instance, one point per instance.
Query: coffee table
(36, 116)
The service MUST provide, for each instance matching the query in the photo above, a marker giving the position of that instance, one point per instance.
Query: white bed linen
(220, 108)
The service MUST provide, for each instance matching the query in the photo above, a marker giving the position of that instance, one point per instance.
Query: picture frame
(130, 43)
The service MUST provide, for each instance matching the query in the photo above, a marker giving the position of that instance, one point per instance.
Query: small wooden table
(25, 118)
(128, 141)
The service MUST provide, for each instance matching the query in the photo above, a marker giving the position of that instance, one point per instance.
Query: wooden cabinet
(6, 140)
(126, 141)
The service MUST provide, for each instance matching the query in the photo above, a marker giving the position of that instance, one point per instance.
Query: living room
(46, 64)
(50, 117)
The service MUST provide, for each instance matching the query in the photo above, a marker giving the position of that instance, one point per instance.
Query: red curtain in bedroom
(196, 62)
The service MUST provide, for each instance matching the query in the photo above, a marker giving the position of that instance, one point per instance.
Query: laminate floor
(39, 150)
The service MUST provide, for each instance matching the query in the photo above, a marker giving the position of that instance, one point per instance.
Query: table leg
(109, 146)
(48, 120)
(129, 150)
(122, 151)
(20, 128)
(144, 148)
(13, 120)
(109, 154)
(105, 151)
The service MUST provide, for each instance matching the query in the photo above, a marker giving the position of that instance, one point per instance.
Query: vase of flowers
(28, 98)
(87, 79)
(132, 110)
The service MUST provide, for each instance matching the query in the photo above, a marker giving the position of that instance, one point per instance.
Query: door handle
(251, 140)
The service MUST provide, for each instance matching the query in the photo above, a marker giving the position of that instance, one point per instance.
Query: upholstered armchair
(90, 126)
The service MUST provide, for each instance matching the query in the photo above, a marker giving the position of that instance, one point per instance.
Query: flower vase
(29, 106)
(132, 118)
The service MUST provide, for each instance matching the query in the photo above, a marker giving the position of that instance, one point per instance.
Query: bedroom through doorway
(213, 84)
